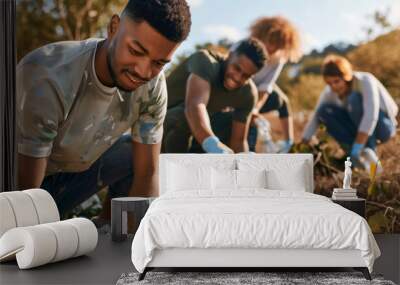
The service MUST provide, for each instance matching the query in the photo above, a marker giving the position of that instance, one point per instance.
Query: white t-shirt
(265, 79)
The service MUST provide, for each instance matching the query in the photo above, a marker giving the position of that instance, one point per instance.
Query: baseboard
(388, 263)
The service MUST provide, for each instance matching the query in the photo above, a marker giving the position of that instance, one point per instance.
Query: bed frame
(247, 259)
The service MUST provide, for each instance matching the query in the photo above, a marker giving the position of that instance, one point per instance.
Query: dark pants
(113, 169)
(342, 122)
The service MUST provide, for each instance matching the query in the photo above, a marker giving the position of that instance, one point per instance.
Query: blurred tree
(381, 57)
(221, 46)
(311, 65)
(304, 91)
(41, 22)
(336, 48)
(380, 23)
(381, 18)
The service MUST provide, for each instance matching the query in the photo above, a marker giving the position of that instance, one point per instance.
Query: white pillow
(224, 179)
(181, 177)
(290, 179)
(251, 178)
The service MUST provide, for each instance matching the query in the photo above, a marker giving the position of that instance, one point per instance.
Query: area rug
(243, 278)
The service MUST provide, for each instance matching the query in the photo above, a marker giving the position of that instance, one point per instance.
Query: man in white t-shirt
(76, 99)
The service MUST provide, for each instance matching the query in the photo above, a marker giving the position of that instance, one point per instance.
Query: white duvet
(252, 218)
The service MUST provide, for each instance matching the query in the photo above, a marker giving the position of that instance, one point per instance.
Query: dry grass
(382, 192)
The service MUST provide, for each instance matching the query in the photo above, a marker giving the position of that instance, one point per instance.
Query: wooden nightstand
(356, 205)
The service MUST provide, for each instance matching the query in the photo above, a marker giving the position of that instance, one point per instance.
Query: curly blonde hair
(278, 32)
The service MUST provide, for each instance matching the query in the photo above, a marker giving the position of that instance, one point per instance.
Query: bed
(246, 211)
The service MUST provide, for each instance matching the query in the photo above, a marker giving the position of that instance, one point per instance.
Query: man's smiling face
(137, 53)
(239, 69)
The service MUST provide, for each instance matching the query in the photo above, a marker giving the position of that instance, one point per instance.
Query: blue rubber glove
(356, 150)
(284, 146)
(212, 144)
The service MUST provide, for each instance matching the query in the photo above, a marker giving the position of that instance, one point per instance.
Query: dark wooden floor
(103, 266)
(106, 264)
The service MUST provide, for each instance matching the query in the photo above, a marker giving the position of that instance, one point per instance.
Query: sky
(320, 22)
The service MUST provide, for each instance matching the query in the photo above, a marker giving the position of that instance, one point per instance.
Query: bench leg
(364, 271)
(117, 221)
(143, 274)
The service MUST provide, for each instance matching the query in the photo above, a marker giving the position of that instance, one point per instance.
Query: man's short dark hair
(171, 18)
(254, 50)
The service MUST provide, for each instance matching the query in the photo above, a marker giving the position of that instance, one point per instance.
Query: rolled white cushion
(87, 235)
(26, 208)
(66, 238)
(45, 205)
(37, 245)
(33, 246)
(7, 218)
(23, 208)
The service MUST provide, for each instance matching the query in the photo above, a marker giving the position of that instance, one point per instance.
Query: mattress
(251, 219)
